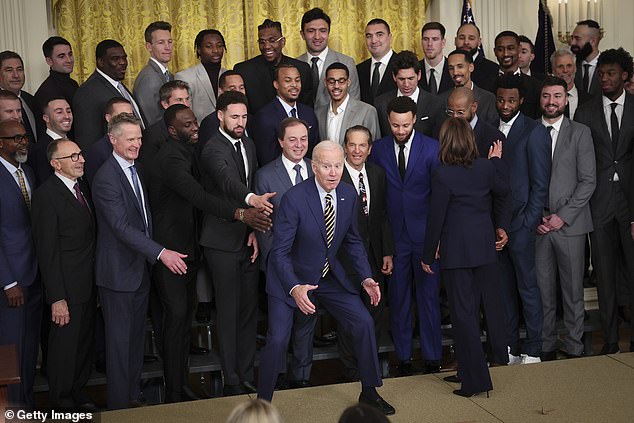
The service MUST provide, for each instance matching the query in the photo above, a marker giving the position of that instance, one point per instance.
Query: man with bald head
(315, 219)
(64, 232)
(584, 43)
(468, 38)
(21, 296)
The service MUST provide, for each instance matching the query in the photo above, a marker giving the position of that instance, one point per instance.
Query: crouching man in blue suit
(316, 218)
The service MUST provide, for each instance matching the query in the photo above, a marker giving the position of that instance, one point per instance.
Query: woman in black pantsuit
(460, 232)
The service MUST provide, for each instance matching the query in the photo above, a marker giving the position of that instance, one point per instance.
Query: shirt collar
(342, 106)
(408, 142)
(287, 107)
(385, 59)
(438, 68)
(53, 134)
(70, 184)
(9, 166)
(474, 121)
(161, 67)
(516, 73)
(354, 173)
(510, 122)
(228, 137)
(573, 92)
(122, 162)
(555, 125)
(322, 192)
(620, 100)
(592, 62)
(112, 81)
(289, 165)
(322, 56)
(414, 95)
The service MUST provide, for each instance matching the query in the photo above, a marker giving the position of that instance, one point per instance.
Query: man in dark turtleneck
(258, 72)
(59, 56)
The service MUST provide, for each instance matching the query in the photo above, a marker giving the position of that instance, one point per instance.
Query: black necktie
(614, 126)
(242, 170)
(314, 70)
(375, 79)
(550, 128)
(586, 77)
(433, 87)
(401, 160)
(294, 112)
(363, 195)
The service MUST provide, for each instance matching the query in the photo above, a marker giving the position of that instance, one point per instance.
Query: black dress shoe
(203, 312)
(249, 388)
(404, 368)
(230, 390)
(188, 395)
(87, 407)
(452, 379)
(431, 366)
(568, 355)
(462, 393)
(612, 348)
(139, 402)
(378, 403)
(298, 384)
(548, 355)
(196, 350)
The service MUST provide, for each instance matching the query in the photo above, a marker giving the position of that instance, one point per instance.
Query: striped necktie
(329, 215)
(25, 192)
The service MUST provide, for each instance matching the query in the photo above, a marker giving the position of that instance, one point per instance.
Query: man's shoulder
(302, 66)
(385, 98)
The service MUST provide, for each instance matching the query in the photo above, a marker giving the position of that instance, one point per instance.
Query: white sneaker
(513, 359)
(529, 359)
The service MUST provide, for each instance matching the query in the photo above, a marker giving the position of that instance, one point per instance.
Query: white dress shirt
(320, 63)
(573, 101)
(554, 133)
(406, 150)
(384, 62)
(125, 165)
(437, 71)
(354, 175)
(54, 135)
(505, 127)
(335, 120)
(591, 69)
(414, 95)
(290, 168)
(287, 107)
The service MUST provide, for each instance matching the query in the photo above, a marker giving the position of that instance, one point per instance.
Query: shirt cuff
(159, 255)
(246, 199)
(291, 291)
(11, 285)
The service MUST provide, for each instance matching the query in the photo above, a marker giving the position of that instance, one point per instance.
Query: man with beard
(460, 66)
(91, 97)
(259, 72)
(468, 38)
(610, 117)
(21, 296)
(529, 155)
(564, 67)
(584, 43)
(561, 235)
(288, 87)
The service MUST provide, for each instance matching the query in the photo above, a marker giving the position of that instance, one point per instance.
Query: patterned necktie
(166, 76)
(363, 195)
(374, 86)
(401, 160)
(80, 196)
(586, 77)
(433, 86)
(298, 173)
(314, 70)
(25, 192)
(614, 126)
(329, 216)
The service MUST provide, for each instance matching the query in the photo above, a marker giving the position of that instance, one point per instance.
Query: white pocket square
(424, 118)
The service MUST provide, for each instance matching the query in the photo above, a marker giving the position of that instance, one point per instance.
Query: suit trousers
(302, 345)
(519, 278)
(235, 281)
(124, 316)
(350, 313)
(177, 293)
(20, 326)
(67, 378)
(408, 276)
(558, 253)
(612, 240)
(464, 289)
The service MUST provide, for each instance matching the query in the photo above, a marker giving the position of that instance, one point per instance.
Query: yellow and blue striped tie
(329, 215)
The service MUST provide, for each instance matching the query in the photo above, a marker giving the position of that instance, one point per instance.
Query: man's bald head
(462, 104)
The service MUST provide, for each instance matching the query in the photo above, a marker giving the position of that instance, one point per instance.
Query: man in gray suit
(342, 111)
(315, 31)
(158, 42)
(560, 244)
(279, 176)
(460, 66)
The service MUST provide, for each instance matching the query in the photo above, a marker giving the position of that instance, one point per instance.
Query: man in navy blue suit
(408, 158)
(21, 297)
(124, 256)
(288, 86)
(315, 220)
(528, 153)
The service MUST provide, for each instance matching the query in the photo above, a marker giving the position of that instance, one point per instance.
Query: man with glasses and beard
(584, 43)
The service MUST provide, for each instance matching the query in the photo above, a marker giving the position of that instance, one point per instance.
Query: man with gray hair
(565, 67)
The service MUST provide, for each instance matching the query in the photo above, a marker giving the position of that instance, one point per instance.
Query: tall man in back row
(315, 219)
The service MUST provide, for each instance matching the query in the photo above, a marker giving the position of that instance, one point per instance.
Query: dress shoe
(404, 369)
(139, 402)
(378, 403)
(230, 390)
(609, 349)
(149, 358)
(548, 356)
(445, 323)
(196, 350)
(568, 355)
(249, 388)
(431, 366)
(452, 379)
(462, 393)
(87, 407)
(203, 312)
(100, 366)
(529, 359)
(514, 359)
(297, 384)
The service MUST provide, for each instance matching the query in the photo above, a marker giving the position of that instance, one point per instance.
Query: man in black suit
(436, 77)
(64, 233)
(375, 73)
(288, 87)
(258, 72)
(59, 57)
(374, 229)
(468, 38)
(59, 121)
(564, 67)
(124, 256)
(610, 117)
(584, 43)
(430, 110)
(12, 79)
(91, 97)
(526, 56)
(228, 164)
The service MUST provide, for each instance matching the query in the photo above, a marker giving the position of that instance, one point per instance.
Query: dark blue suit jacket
(267, 127)
(17, 252)
(123, 248)
(460, 214)
(299, 243)
(95, 156)
(528, 152)
(408, 199)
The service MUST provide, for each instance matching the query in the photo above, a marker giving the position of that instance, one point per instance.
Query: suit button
(616, 162)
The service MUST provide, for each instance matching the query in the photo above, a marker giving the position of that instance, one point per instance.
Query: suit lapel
(314, 205)
(628, 110)
(126, 184)
(205, 83)
(281, 172)
(416, 148)
(562, 139)
(348, 116)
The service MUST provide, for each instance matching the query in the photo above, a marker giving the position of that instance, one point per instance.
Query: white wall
(25, 24)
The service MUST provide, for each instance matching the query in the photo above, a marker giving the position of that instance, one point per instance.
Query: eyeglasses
(73, 157)
(270, 41)
(333, 81)
(18, 139)
(457, 113)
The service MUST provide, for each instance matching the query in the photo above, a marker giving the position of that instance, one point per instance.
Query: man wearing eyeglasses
(21, 296)
(258, 72)
(64, 235)
(343, 111)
